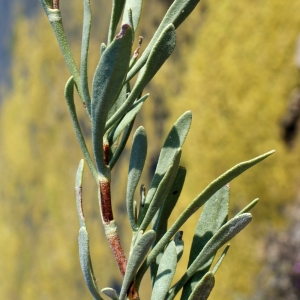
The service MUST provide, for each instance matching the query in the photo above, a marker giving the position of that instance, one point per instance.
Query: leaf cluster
(112, 105)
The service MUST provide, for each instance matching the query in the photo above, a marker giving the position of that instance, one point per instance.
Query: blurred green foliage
(236, 71)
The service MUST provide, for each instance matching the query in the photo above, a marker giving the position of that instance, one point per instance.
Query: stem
(108, 219)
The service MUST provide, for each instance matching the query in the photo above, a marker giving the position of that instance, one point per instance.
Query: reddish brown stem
(116, 247)
(106, 208)
(111, 230)
(108, 218)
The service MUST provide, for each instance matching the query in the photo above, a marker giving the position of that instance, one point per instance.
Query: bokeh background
(234, 67)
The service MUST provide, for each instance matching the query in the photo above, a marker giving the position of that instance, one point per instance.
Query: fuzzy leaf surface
(203, 288)
(159, 54)
(138, 254)
(108, 77)
(85, 263)
(165, 273)
(176, 14)
(224, 234)
(213, 216)
(136, 165)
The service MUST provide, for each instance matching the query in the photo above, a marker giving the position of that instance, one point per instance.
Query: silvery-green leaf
(137, 256)
(165, 273)
(108, 77)
(136, 8)
(195, 205)
(161, 221)
(127, 119)
(223, 235)
(176, 14)
(116, 13)
(87, 21)
(173, 142)
(159, 54)
(136, 165)
(203, 288)
(111, 293)
(78, 190)
(85, 263)
(161, 193)
(69, 95)
(213, 216)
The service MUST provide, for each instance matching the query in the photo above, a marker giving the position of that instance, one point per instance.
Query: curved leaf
(173, 142)
(203, 288)
(108, 77)
(165, 273)
(69, 95)
(116, 13)
(85, 262)
(136, 8)
(161, 193)
(138, 254)
(78, 189)
(87, 21)
(176, 14)
(195, 205)
(136, 165)
(224, 234)
(127, 119)
(159, 54)
(111, 293)
(213, 216)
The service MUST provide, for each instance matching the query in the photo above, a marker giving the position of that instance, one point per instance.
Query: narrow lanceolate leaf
(108, 78)
(69, 95)
(138, 254)
(176, 14)
(78, 190)
(136, 8)
(165, 273)
(127, 119)
(87, 21)
(248, 207)
(173, 142)
(116, 13)
(214, 215)
(161, 222)
(111, 293)
(55, 20)
(195, 205)
(161, 193)
(85, 262)
(136, 165)
(224, 234)
(203, 288)
(159, 54)
(220, 260)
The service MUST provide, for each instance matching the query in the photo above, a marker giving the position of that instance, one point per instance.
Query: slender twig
(108, 218)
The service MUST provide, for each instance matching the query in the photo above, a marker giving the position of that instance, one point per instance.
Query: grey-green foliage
(112, 107)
